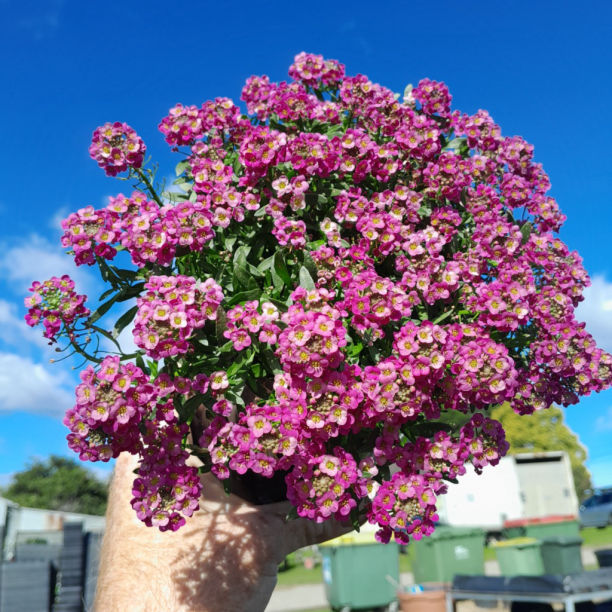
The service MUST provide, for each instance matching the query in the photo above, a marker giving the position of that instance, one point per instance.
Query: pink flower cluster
(166, 489)
(149, 233)
(314, 69)
(117, 147)
(246, 321)
(171, 311)
(56, 304)
(261, 440)
(110, 404)
(314, 335)
(322, 486)
(413, 275)
(185, 124)
(119, 410)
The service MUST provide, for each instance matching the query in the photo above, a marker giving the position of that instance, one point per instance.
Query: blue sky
(542, 69)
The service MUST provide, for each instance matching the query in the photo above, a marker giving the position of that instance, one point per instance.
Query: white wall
(485, 500)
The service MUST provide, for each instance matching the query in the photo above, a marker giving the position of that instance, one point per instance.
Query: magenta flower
(116, 147)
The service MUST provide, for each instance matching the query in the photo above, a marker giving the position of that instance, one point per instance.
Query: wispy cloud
(28, 386)
(604, 422)
(596, 311)
(36, 258)
(15, 330)
(40, 20)
(56, 220)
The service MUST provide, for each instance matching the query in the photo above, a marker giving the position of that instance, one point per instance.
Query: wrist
(217, 562)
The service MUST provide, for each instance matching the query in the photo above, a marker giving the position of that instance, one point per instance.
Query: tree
(545, 430)
(58, 484)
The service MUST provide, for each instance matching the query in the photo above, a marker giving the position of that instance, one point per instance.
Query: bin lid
(354, 537)
(516, 523)
(517, 543)
(563, 540)
(540, 520)
(445, 532)
(556, 518)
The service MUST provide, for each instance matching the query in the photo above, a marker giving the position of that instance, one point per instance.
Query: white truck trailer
(524, 486)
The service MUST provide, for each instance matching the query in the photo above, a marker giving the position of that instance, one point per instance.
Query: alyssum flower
(339, 288)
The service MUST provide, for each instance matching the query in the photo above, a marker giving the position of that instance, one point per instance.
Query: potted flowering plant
(337, 289)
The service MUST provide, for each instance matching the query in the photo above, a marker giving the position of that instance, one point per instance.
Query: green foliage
(545, 430)
(58, 484)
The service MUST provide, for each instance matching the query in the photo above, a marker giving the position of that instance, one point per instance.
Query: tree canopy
(58, 483)
(545, 430)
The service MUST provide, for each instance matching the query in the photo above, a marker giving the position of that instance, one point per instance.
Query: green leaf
(313, 246)
(181, 167)
(282, 306)
(188, 409)
(526, 230)
(102, 309)
(310, 265)
(240, 256)
(227, 347)
(242, 276)
(352, 350)
(125, 274)
(244, 296)
(270, 360)
(130, 291)
(107, 293)
(238, 364)
(140, 362)
(220, 324)
(424, 211)
(277, 281)
(266, 264)
(280, 267)
(124, 320)
(107, 274)
(456, 144)
(305, 279)
(243, 270)
(443, 316)
(335, 130)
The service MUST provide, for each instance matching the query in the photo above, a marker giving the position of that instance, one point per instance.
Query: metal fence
(52, 577)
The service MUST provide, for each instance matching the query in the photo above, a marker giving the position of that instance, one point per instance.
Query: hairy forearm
(217, 562)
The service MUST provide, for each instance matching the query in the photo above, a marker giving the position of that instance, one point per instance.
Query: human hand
(225, 557)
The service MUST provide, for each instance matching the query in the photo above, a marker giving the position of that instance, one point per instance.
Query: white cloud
(15, 330)
(41, 22)
(596, 311)
(56, 220)
(35, 258)
(604, 422)
(33, 387)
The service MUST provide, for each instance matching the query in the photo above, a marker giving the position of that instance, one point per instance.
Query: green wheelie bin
(360, 573)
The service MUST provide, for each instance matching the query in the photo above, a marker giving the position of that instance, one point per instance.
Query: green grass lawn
(596, 538)
(298, 574)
